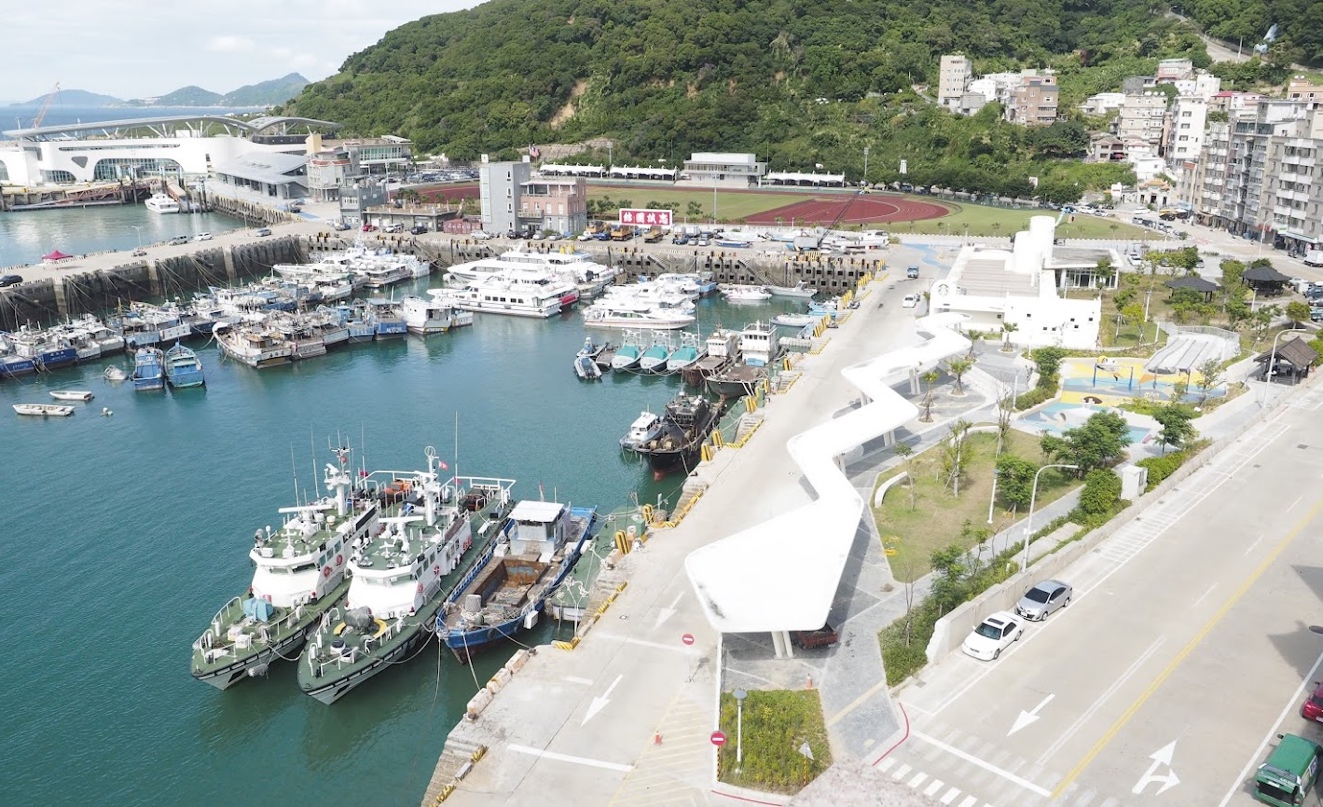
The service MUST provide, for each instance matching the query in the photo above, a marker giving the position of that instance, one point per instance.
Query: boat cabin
(540, 528)
(723, 344)
(758, 344)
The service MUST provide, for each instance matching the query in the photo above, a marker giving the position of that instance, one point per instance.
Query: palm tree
(1007, 328)
(974, 337)
(929, 378)
(957, 367)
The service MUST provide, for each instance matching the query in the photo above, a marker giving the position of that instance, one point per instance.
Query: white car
(992, 636)
(910, 301)
(202, 237)
(479, 235)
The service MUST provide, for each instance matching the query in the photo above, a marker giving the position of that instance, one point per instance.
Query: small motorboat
(71, 395)
(796, 320)
(801, 290)
(44, 410)
(585, 361)
(645, 427)
(115, 374)
(746, 294)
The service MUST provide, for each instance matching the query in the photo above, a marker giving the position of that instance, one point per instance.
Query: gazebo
(55, 255)
(1195, 283)
(1265, 280)
(1292, 360)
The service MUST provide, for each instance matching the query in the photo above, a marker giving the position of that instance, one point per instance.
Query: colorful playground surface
(1056, 418)
(1108, 381)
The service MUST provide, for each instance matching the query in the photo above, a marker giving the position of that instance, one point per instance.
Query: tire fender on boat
(339, 560)
(326, 572)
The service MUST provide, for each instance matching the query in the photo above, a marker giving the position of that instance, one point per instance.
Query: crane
(46, 105)
(838, 218)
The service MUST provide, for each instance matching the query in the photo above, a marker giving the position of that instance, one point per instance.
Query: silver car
(1039, 602)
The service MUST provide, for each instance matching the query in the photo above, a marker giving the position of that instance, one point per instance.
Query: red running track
(861, 211)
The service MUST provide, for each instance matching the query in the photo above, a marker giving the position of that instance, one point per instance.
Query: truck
(1290, 773)
(654, 234)
(1314, 257)
(622, 232)
(824, 636)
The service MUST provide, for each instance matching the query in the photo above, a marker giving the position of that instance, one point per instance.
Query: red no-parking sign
(718, 738)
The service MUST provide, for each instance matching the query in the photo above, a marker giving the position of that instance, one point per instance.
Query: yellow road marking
(1194, 642)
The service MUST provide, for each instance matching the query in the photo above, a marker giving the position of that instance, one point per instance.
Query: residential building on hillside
(559, 204)
(996, 86)
(1301, 88)
(1034, 101)
(500, 185)
(1185, 129)
(1232, 102)
(956, 72)
(971, 102)
(1294, 189)
(1142, 117)
(1102, 103)
(1170, 70)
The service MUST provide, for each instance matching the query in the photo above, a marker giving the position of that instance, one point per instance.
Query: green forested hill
(1299, 24)
(665, 79)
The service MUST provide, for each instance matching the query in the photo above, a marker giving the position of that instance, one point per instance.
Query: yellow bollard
(718, 439)
(647, 513)
(785, 363)
(622, 543)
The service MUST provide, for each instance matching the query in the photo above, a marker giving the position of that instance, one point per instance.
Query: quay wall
(52, 299)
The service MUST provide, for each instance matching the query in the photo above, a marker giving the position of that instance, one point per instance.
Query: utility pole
(865, 165)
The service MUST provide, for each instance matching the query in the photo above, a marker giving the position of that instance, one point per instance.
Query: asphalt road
(1185, 650)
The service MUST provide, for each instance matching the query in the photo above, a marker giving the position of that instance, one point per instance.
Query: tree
(694, 210)
(1105, 271)
(957, 367)
(1015, 480)
(1007, 328)
(1100, 442)
(1048, 360)
(1297, 311)
(904, 451)
(1211, 375)
(1102, 490)
(954, 455)
(1177, 430)
(974, 337)
(929, 378)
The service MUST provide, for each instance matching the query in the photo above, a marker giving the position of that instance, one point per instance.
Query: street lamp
(865, 166)
(1029, 522)
(740, 695)
(137, 228)
(1272, 362)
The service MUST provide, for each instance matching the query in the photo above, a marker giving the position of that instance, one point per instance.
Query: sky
(146, 48)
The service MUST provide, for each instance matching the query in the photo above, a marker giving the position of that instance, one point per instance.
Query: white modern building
(181, 147)
(500, 185)
(1102, 103)
(720, 168)
(1019, 287)
(1185, 129)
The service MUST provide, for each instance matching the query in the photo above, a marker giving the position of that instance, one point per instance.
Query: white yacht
(161, 203)
(438, 314)
(625, 312)
(653, 293)
(745, 293)
(574, 267)
(510, 296)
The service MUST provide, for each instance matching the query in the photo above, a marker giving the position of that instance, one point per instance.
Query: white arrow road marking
(1160, 757)
(599, 704)
(669, 611)
(1029, 717)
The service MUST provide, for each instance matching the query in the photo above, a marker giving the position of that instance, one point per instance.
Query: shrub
(1159, 468)
(1102, 490)
(1034, 397)
(776, 724)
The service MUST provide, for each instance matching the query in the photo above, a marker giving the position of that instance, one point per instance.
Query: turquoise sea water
(124, 534)
(27, 235)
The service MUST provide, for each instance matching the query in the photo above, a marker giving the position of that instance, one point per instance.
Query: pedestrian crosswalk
(957, 768)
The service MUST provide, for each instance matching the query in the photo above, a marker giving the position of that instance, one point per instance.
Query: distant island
(264, 93)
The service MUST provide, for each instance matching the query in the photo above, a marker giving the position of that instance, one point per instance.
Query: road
(1184, 651)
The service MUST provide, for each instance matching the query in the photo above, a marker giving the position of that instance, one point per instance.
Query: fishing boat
(746, 294)
(801, 290)
(691, 350)
(44, 410)
(48, 350)
(585, 361)
(796, 320)
(507, 588)
(299, 575)
(358, 322)
(386, 320)
(397, 590)
(685, 424)
(426, 316)
(183, 368)
(12, 365)
(653, 360)
(647, 426)
(71, 395)
(759, 344)
(252, 342)
(115, 374)
(723, 350)
(758, 347)
(629, 351)
(148, 370)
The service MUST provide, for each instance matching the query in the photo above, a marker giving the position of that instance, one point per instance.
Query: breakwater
(51, 299)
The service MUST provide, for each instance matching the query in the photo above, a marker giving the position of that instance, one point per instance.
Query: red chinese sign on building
(645, 218)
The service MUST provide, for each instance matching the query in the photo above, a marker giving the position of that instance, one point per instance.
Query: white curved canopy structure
(782, 574)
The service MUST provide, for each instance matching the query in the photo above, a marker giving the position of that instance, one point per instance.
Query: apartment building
(1184, 134)
(558, 204)
(501, 186)
(1294, 190)
(1034, 101)
(1102, 103)
(1170, 70)
(1142, 117)
(956, 72)
(1301, 88)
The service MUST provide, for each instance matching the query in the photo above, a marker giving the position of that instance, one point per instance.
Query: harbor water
(27, 235)
(125, 533)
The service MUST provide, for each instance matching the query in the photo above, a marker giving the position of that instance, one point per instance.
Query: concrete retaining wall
(952, 629)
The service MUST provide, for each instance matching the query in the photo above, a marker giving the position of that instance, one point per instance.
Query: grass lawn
(938, 517)
(983, 220)
(777, 723)
(731, 205)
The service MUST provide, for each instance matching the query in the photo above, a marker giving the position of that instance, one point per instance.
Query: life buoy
(339, 560)
(420, 588)
(436, 570)
(326, 571)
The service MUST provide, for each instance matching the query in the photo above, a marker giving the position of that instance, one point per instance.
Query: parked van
(1290, 773)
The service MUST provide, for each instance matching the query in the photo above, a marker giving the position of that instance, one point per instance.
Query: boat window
(303, 567)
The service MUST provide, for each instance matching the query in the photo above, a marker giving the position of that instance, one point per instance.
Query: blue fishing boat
(148, 369)
(12, 364)
(183, 368)
(630, 351)
(386, 318)
(505, 591)
(653, 360)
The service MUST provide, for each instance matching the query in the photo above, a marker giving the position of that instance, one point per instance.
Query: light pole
(1029, 522)
(740, 695)
(1272, 361)
(865, 166)
(714, 200)
(137, 228)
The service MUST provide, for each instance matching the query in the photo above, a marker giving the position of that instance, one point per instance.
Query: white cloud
(230, 44)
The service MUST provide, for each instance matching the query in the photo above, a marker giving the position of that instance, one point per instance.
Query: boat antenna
(294, 469)
(456, 463)
(312, 446)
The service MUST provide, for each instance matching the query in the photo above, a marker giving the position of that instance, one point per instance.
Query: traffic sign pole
(688, 640)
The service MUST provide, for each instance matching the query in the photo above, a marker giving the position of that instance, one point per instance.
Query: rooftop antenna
(312, 446)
